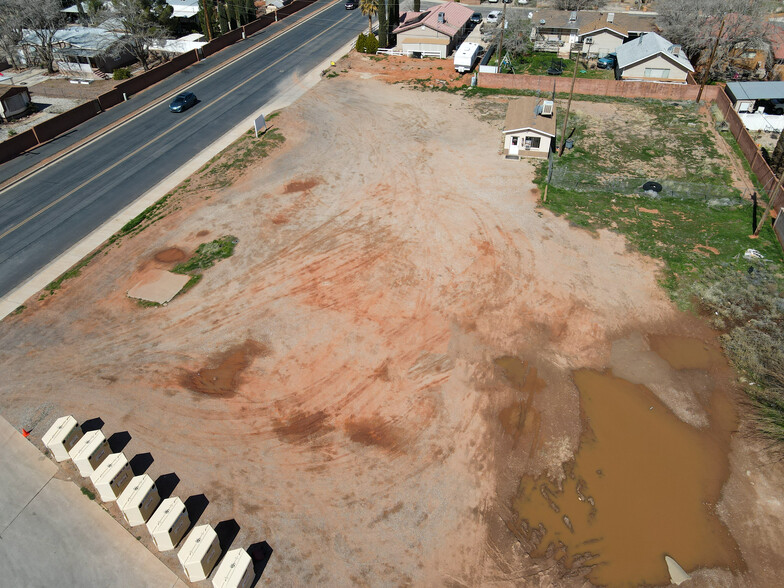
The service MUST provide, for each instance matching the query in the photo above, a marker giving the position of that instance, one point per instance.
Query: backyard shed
(89, 452)
(744, 95)
(529, 128)
(62, 436)
(14, 100)
(139, 500)
(169, 523)
(235, 571)
(112, 477)
(199, 553)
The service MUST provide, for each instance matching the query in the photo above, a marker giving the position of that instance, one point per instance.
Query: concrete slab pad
(63, 538)
(23, 472)
(158, 286)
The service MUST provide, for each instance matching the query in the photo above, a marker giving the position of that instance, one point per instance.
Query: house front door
(514, 148)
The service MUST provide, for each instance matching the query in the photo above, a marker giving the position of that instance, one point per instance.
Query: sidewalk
(53, 535)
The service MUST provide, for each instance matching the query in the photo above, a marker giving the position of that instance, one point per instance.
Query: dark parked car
(606, 62)
(476, 18)
(183, 102)
(352, 4)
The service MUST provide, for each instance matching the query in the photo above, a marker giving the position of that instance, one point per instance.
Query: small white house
(89, 452)
(235, 571)
(199, 553)
(602, 36)
(112, 477)
(62, 436)
(139, 500)
(434, 32)
(652, 58)
(529, 128)
(169, 523)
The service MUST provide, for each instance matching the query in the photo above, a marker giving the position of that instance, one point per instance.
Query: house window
(533, 142)
(514, 140)
(654, 72)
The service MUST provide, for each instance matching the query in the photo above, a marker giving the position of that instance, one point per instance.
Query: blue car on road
(183, 102)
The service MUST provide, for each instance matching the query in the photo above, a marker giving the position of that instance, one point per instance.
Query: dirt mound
(170, 255)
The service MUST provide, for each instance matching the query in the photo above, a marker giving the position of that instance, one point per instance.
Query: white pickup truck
(466, 56)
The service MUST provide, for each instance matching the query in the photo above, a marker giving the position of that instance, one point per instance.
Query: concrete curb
(17, 297)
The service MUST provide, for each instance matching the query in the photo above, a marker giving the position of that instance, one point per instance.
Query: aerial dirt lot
(391, 377)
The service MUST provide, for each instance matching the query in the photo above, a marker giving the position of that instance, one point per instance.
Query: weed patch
(88, 494)
(207, 254)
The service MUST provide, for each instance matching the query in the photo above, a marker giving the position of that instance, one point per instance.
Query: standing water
(643, 484)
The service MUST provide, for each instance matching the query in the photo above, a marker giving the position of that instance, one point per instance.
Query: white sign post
(260, 125)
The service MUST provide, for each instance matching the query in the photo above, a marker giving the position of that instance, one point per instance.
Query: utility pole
(569, 105)
(706, 74)
(501, 38)
(207, 20)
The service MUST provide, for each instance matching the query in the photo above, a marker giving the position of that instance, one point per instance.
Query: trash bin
(234, 571)
(139, 500)
(199, 553)
(168, 524)
(89, 452)
(62, 436)
(112, 476)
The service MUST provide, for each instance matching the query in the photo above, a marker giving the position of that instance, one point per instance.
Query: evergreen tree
(777, 159)
(250, 8)
(223, 19)
(382, 24)
(416, 5)
(239, 15)
(393, 20)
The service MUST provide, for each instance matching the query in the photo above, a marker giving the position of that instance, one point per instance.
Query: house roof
(756, 90)
(455, 18)
(776, 38)
(559, 19)
(8, 91)
(602, 23)
(523, 114)
(82, 40)
(647, 46)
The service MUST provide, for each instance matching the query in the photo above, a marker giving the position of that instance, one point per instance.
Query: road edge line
(63, 262)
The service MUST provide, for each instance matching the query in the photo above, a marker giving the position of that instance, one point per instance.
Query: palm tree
(370, 9)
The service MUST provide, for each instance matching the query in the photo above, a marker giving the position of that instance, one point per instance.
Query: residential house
(85, 52)
(529, 128)
(14, 100)
(562, 31)
(652, 58)
(435, 32)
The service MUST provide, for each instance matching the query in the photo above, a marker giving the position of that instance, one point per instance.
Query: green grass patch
(88, 494)
(147, 303)
(19, 310)
(207, 254)
(55, 285)
(537, 64)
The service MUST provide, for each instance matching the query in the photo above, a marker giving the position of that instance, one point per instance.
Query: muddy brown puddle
(643, 484)
(223, 379)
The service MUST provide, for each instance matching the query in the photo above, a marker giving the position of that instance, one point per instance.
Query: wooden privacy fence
(51, 128)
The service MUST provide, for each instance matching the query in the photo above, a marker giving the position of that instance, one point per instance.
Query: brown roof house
(562, 31)
(529, 129)
(14, 100)
(434, 32)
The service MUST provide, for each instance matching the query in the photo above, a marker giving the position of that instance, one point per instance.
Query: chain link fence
(712, 194)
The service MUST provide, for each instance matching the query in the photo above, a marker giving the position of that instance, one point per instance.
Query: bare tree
(575, 4)
(43, 19)
(695, 24)
(144, 22)
(517, 36)
(11, 25)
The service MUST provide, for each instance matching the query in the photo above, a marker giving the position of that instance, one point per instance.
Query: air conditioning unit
(547, 108)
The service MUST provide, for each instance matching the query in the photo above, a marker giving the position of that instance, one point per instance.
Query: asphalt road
(44, 215)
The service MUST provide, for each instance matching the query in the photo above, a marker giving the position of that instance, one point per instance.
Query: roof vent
(530, 15)
(543, 21)
(441, 18)
(675, 50)
(573, 16)
(610, 16)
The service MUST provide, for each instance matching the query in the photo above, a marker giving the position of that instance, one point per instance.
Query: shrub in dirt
(371, 44)
(747, 303)
(207, 254)
(121, 73)
(361, 40)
